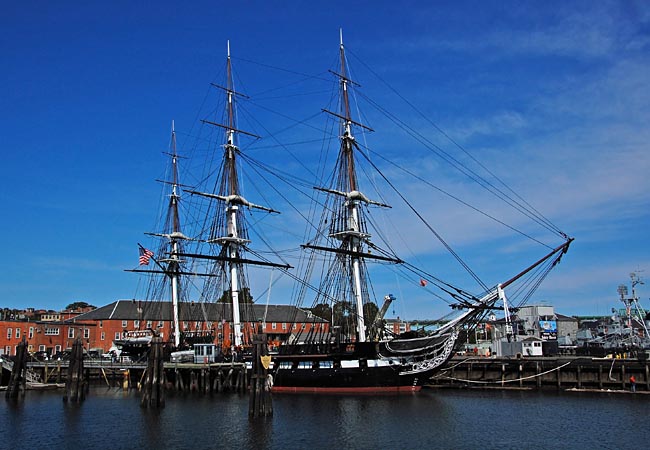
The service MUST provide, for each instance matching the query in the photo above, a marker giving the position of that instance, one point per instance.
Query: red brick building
(280, 322)
(47, 336)
(53, 332)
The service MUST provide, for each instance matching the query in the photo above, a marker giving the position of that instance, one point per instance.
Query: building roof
(566, 318)
(193, 311)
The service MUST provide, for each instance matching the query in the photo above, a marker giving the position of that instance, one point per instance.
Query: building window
(70, 333)
(57, 348)
(136, 324)
(284, 325)
(273, 325)
(148, 323)
(8, 350)
(52, 331)
(184, 325)
(31, 332)
(101, 324)
(17, 333)
(160, 324)
(103, 336)
(9, 331)
(117, 335)
(124, 324)
(86, 333)
(41, 348)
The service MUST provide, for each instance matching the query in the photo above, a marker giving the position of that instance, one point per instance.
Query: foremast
(348, 225)
(354, 230)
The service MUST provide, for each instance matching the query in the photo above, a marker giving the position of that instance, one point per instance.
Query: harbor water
(433, 418)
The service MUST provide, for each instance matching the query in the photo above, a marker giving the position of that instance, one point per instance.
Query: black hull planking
(362, 367)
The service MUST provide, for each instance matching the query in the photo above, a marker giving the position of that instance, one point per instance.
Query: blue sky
(553, 96)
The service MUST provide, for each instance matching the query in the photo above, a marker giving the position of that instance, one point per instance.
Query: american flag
(145, 255)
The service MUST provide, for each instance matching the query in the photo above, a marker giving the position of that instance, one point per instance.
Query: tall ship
(341, 281)
(358, 355)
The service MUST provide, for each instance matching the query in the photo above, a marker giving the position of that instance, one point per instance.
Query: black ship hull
(389, 367)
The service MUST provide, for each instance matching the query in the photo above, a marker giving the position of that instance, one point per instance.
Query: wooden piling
(153, 393)
(18, 379)
(579, 376)
(623, 377)
(600, 376)
(260, 402)
(75, 384)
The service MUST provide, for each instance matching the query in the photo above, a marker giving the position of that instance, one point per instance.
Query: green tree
(244, 296)
(323, 311)
(80, 305)
(370, 311)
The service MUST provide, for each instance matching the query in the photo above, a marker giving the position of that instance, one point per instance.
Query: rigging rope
(539, 217)
(442, 372)
(435, 233)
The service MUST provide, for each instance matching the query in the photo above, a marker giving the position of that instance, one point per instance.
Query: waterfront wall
(544, 372)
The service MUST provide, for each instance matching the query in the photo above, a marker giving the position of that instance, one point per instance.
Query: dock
(202, 377)
(562, 372)
(578, 374)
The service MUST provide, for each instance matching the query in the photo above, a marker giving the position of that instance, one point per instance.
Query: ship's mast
(171, 264)
(231, 209)
(353, 204)
(175, 236)
(348, 225)
(234, 241)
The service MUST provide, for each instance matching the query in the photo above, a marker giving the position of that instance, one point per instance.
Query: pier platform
(562, 372)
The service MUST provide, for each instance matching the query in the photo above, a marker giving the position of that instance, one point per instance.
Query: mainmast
(233, 239)
(175, 237)
(233, 242)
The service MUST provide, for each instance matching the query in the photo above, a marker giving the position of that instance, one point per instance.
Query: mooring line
(504, 381)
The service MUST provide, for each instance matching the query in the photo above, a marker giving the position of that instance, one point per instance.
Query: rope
(502, 381)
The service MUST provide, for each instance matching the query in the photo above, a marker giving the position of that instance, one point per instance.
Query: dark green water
(447, 419)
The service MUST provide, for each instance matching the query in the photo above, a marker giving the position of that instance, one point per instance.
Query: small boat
(134, 344)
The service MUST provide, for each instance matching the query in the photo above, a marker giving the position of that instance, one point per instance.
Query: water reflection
(431, 419)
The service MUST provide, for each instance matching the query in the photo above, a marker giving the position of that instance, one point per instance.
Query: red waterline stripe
(344, 390)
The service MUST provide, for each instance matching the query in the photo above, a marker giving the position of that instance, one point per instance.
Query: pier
(544, 372)
(569, 372)
(204, 377)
